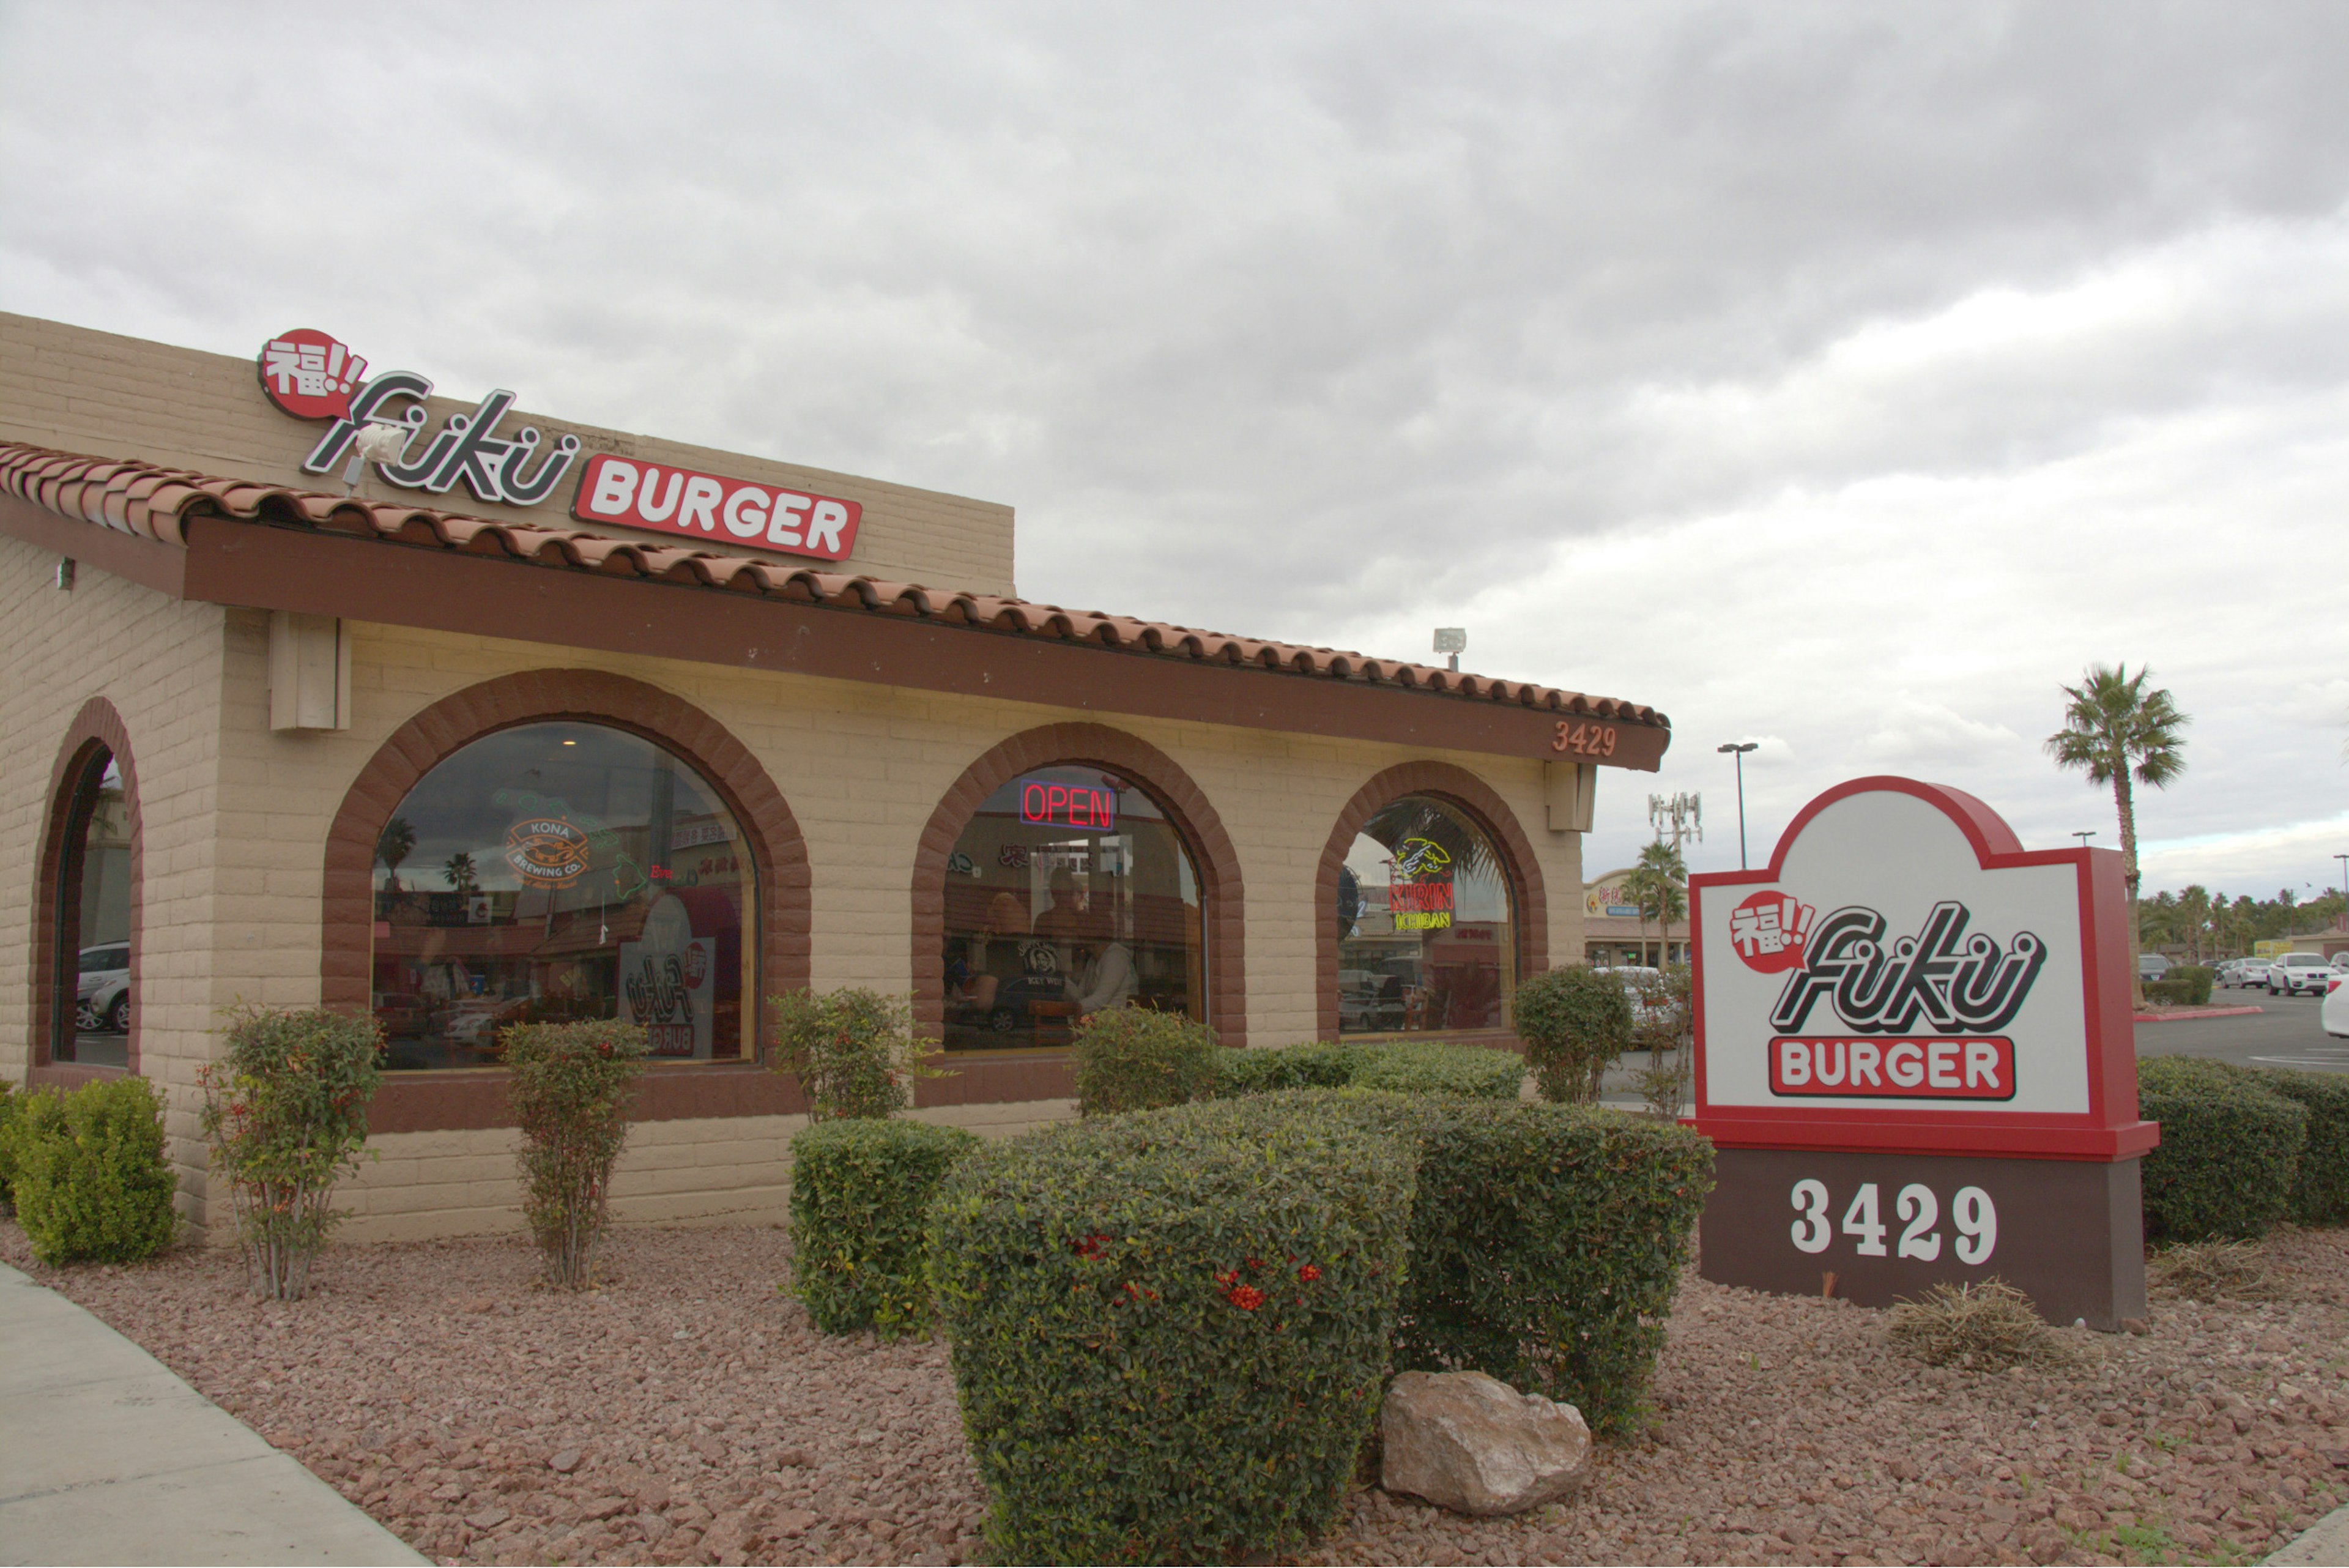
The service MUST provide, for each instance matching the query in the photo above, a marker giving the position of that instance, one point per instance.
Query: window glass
(1425, 939)
(1070, 892)
(562, 871)
(93, 921)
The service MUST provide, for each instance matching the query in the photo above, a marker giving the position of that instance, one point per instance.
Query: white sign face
(665, 983)
(1886, 969)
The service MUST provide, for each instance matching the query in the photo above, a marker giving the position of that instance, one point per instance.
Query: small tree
(285, 1112)
(852, 1051)
(1133, 1058)
(569, 1089)
(1663, 1022)
(463, 878)
(1658, 887)
(2116, 732)
(395, 844)
(1574, 1021)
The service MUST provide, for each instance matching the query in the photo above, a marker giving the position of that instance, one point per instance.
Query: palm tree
(462, 877)
(2116, 730)
(395, 844)
(1658, 885)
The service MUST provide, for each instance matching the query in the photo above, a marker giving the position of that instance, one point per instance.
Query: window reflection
(1426, 941)
(561, 871)
(1069, 892)
(93, 921)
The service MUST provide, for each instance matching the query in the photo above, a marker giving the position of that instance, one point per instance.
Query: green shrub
(1574, 1021)
(285, 1112)
(2195, 980)
(1137, 1059)
(1400, 1066)
(851, 1049)
(11, 1103)
(859, 1191)
(91, 1181)
(1546, 1246)
(1413, 1067)
(2320, 1194)
(2229, 1150)
(569, 1088)
(1171, 1329)
(1262, 1070)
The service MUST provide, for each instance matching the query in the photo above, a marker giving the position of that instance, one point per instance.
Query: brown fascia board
(264, 565)
(146, 562)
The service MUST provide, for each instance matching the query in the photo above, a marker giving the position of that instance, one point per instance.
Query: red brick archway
(97, 726)
(411, 1102)
(1459, 787)
(1196, 820)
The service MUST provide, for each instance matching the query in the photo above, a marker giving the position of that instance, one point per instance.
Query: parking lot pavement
(2284, 1032)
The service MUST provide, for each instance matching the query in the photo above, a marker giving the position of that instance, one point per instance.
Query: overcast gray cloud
(1847, 376)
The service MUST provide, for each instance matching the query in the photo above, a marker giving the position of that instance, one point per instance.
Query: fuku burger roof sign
(378, 420)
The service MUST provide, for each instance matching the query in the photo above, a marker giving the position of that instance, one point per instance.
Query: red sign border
(2109, 1130)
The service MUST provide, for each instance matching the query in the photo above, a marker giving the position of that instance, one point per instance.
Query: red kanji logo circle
(310, 375)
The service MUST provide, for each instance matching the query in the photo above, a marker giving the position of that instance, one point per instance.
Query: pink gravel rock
(1781, 1414)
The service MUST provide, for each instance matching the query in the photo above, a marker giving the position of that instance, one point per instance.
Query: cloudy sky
(1843, 377)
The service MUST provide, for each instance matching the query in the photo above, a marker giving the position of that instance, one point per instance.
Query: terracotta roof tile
(154, 502)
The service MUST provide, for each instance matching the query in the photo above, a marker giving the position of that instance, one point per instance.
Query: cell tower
(1677, 816)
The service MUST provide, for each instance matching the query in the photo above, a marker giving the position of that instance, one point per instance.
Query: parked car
(102, 995)
(2335, 1014)
(2243, 971)
(2152, 966)
(2293, 973)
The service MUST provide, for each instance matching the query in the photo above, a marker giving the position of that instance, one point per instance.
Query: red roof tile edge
(152, 502)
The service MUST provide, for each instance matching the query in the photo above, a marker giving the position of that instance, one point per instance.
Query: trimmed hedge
(2229, 1150)
(2185, 985)
(1131, 1058)
(1263, 1070)
(92, 1184)
(1171, 1329)
(1397, 1066)
(859, 1191)
(1547, 1245)
(12, 1104)
(1411, 1068)
(2320, 1194)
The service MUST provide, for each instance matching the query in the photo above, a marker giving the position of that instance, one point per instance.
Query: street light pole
(1739, 752)
(2345, 890)
(2085, 834)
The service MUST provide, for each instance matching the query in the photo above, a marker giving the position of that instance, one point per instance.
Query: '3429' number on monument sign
(1976, 1218)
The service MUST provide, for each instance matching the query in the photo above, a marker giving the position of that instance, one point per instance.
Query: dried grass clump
(1987, 1327)
(2209, 1270)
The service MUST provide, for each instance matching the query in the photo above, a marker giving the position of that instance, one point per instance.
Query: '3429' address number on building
(1918, 1207)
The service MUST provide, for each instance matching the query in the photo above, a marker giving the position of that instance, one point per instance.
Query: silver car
(102, 993)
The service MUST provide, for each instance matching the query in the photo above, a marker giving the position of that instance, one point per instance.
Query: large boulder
(1474, 1445)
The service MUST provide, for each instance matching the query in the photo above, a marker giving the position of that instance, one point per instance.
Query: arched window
(1069, 891)
(1426, 937)
(563, 870)
(91, 995)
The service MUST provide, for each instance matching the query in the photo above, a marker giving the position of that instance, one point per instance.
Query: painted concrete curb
(2189, 1015)
(107, 1457)
(2325, 1544)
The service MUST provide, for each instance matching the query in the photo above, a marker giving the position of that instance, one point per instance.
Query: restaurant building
(328, 690)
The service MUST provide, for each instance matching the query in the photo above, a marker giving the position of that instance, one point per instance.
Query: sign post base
(2069, 1234)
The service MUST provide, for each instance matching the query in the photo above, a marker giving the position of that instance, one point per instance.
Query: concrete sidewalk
(2325, 1545)
(107, 1457)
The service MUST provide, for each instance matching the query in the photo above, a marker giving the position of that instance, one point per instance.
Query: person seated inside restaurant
(1104, 976)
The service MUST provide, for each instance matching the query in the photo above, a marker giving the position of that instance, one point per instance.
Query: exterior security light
(1453, 640)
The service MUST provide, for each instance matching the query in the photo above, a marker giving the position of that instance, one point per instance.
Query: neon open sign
(1053, 805)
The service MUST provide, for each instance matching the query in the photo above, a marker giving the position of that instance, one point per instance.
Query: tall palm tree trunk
(2127, 809)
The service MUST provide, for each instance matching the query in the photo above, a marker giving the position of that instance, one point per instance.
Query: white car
(2239, 972)
(102, 993)
(2293, 973)
(2335, 1014)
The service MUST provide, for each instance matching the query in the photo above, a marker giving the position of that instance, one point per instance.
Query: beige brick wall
(86, 391)
(236, 833)
(159, 662)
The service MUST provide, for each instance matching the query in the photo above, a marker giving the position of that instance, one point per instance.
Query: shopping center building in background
(327, 690)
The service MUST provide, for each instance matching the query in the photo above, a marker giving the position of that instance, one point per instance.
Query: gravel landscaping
(687, 1413)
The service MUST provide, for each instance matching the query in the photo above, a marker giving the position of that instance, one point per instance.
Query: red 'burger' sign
(707, 508)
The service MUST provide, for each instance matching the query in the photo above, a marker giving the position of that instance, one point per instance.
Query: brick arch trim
(96, 724)
(1457, 786)
(1221, 895)
(778, 851)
